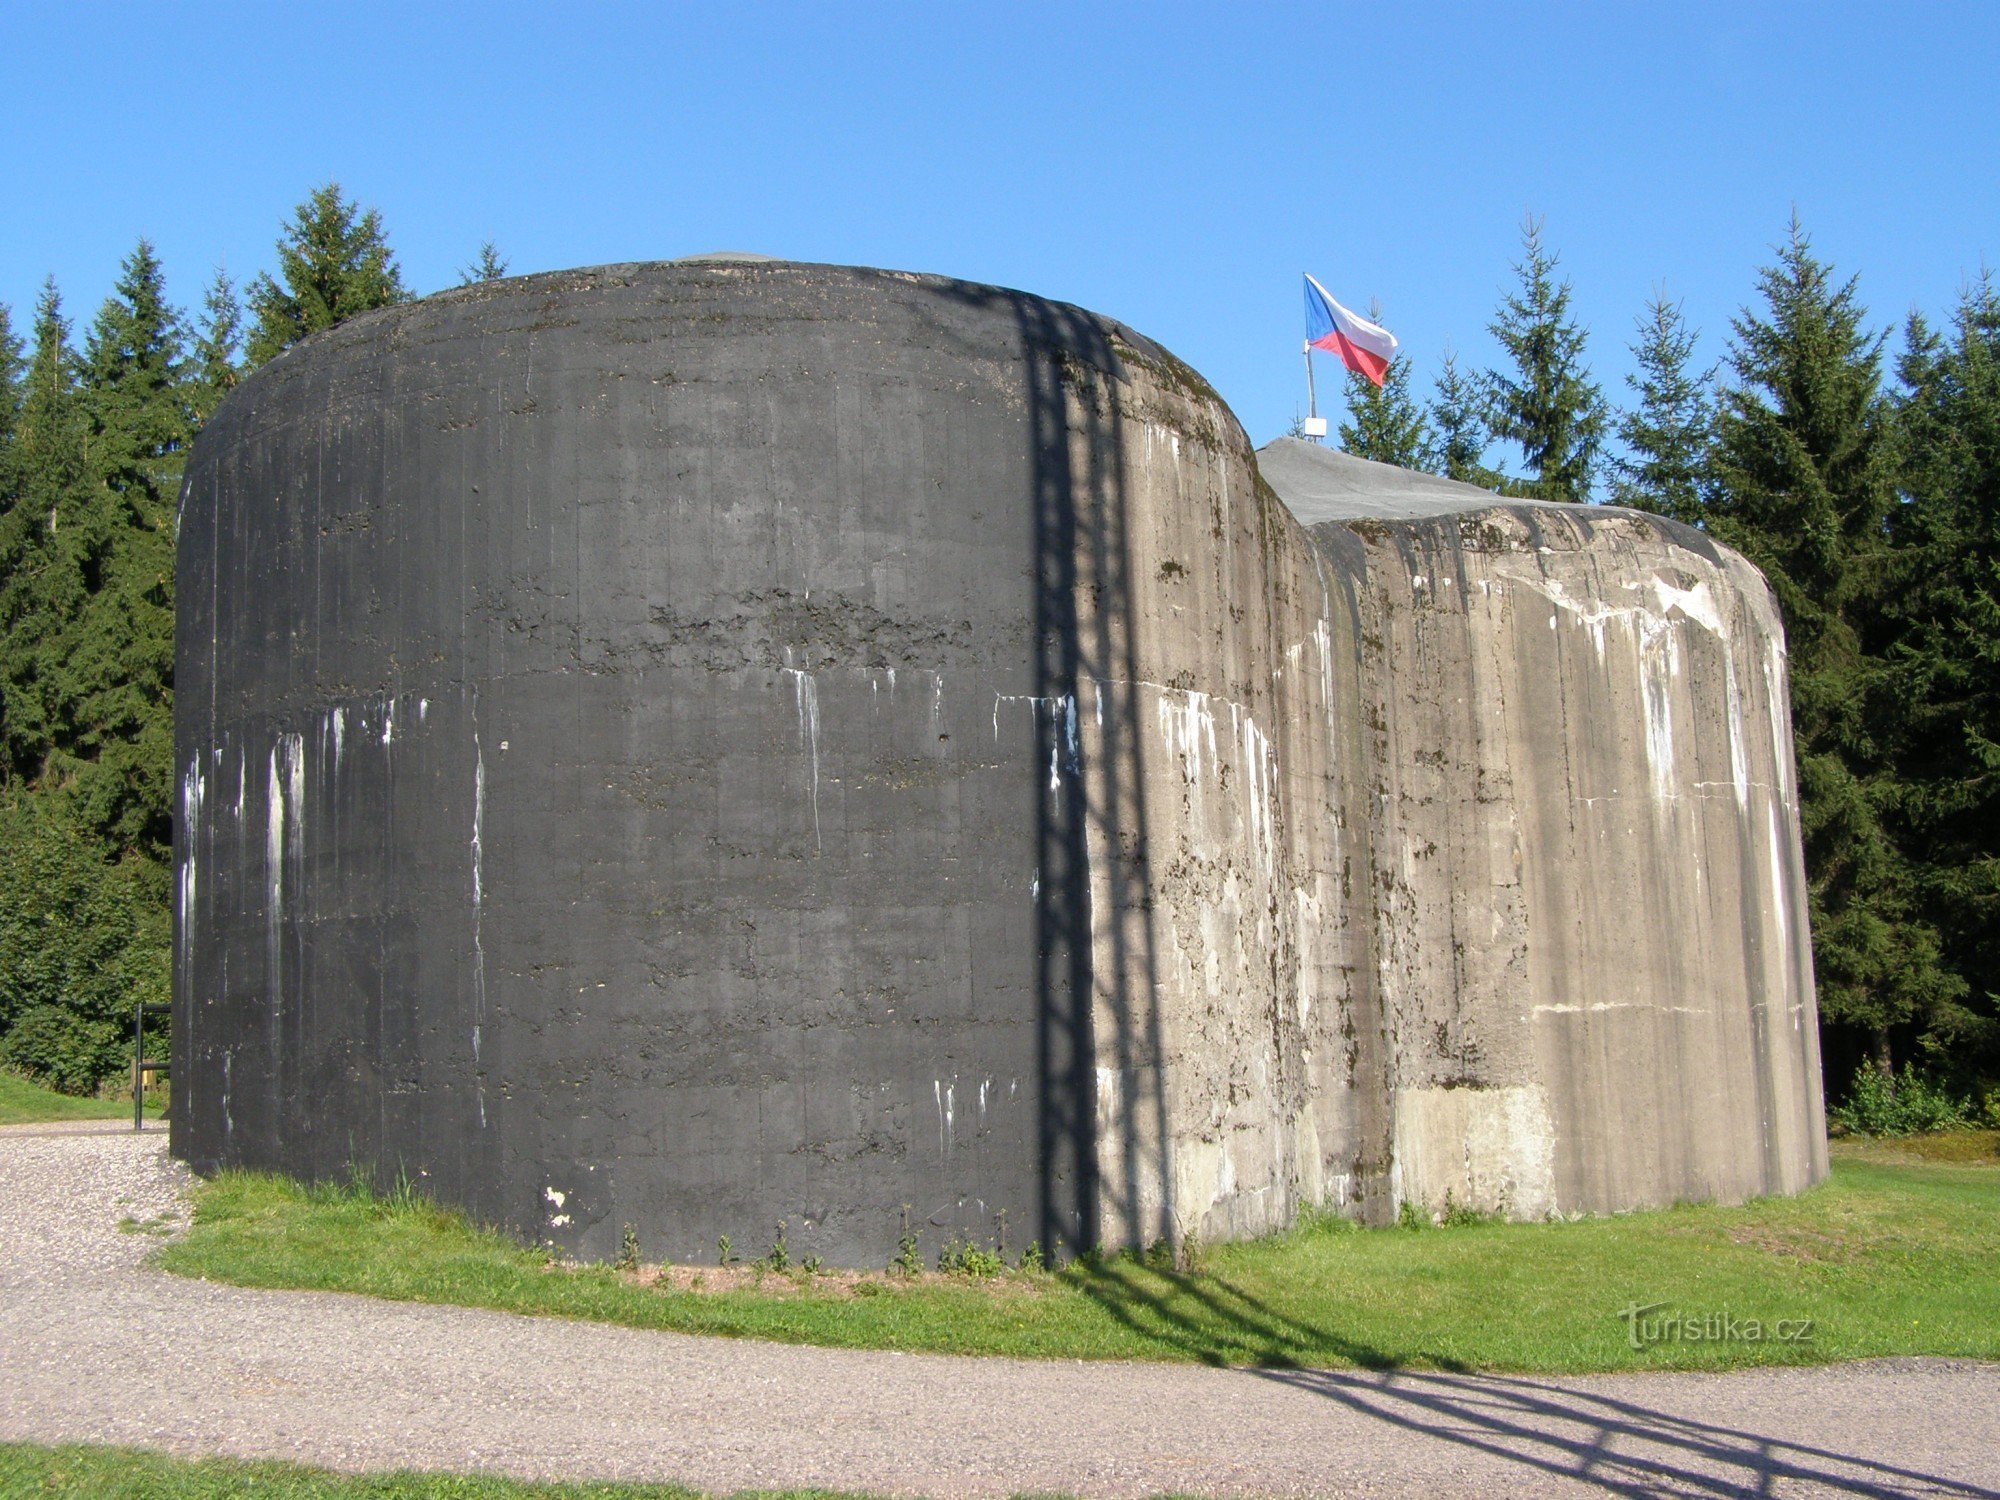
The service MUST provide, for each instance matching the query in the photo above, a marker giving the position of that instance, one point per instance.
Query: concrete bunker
(709, 743)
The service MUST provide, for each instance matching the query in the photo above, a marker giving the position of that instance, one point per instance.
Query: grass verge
(25, 1103)
(1883, 1259)
(89, 1472)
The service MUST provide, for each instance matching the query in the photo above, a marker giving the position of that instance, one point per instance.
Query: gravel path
(99, 1347)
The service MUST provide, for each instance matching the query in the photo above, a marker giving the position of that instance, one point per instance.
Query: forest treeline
(1864, 481)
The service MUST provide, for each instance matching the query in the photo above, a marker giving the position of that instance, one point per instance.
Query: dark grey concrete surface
(615, 745)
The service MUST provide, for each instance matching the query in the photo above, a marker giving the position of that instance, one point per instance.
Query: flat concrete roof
(1323, 484)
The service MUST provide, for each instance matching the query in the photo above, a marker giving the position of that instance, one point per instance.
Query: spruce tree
(1667, 436)
(11, 366)
(489, 266)
(53, 540)
(1945, 660)
(1546, 404)
(218, 347)
(132, 368)
(1383, 422)
(121, 654)
(1804, 488)
(333, 261)
(1458, 420)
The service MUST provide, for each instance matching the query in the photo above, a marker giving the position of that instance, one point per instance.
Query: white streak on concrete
(478, 851)
(806, 691)
(1780, 891)
(337, 720)
(284, 820)
(1739, 758)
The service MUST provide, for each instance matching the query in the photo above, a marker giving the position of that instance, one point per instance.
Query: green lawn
(94, 1473)
(22, 1103)
(1884, 1259)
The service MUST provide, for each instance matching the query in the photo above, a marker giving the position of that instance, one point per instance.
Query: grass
(89, 1472)
(25, 1103)
(1884, 1259)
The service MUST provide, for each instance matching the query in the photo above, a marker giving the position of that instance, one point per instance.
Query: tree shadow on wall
(1093, 1079)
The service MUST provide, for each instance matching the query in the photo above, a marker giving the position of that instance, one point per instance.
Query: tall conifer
(333, 261)
(1667, 435)
(1945, 656)
(489, 266)
(1805, 487)
(1545, 404)
(1457, 418)
(11, 366)
(1383, 423)
(218, 348)
(133, 371)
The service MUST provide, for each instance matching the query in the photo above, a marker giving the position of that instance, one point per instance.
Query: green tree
(1546, 404)
(1805, 485)
(12, 364)
(1383, 422)
(119, 668)
(489, 266)
(132, 368)
(1457, 417)
(52, 545)
(218, 347)
(82, 935)
(333, 261)
(1945, 655)
(1667, 435)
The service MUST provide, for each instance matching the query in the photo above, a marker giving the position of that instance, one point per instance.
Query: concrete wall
(1595, 973)
(705, 744)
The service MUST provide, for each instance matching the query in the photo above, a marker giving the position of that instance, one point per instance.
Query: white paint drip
(1780, 893)
(1035, 707)
(1658, 667)
(806, 691)
(284, 817)
(945, 1094)
(337, 721)
(389, 723)
(1599, 1006)
(1065, 746)
(478, 918)
(194, 790)
(1739, 758)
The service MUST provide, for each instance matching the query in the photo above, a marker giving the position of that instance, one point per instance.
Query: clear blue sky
(1175, 166)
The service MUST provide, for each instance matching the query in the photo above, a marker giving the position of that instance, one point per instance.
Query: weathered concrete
(704, 744)
(1596, 978)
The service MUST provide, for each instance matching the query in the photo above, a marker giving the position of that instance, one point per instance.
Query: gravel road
(99, 1347)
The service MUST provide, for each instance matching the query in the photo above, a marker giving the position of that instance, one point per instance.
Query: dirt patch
(1794, 1244)
(837, 1285)
(1958, 1148)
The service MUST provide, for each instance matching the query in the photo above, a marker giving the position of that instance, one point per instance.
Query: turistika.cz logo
(1649, 1325)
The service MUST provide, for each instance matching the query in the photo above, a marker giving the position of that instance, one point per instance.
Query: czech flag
(1363, 348)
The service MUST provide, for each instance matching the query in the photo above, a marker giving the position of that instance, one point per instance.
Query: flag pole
(1312, 396)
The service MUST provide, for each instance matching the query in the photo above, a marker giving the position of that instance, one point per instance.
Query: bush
(1909, 1103)
(82, 936)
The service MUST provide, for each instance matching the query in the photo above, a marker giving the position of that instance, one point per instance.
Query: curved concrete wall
(706, 744)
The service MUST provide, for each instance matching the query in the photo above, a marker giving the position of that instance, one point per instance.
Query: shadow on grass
(1617, 1446)
(1216, 1322)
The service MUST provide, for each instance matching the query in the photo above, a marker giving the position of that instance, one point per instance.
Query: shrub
(82, 936)
(1908, 1103)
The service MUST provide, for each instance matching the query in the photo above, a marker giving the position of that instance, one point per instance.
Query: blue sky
(1175, 166)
